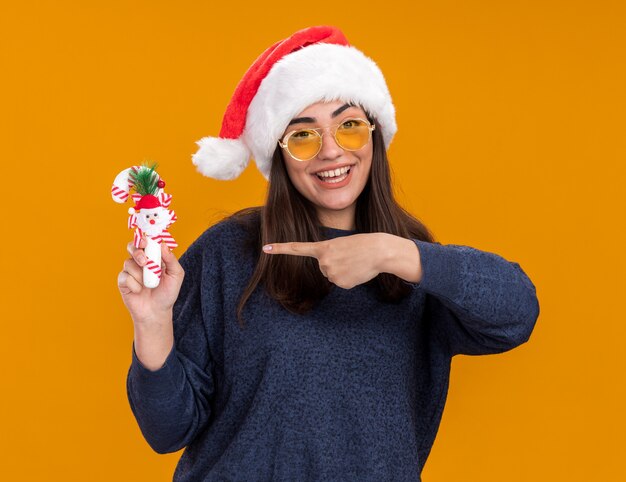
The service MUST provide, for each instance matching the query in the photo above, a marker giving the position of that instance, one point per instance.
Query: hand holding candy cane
(150, 216)
(149, 305)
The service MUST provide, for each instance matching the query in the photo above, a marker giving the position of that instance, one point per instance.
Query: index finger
(294, 248)
(130, 247)
(137, 253)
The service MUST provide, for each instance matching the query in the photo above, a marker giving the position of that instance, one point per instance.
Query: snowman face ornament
(153, 221)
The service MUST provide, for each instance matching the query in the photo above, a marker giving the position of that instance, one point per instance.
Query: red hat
(313, 65)
(147, 202)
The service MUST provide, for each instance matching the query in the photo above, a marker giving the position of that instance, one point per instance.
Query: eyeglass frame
(283, 144)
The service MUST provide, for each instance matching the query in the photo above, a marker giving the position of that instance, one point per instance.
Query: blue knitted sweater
(353, 390)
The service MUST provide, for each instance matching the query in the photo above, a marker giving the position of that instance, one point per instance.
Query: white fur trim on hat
(315, 73)
(221, 158)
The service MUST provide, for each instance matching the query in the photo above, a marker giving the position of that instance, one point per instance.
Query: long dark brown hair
(296, 281)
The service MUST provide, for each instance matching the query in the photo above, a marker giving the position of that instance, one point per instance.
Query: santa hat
(146, 202)
(313, 65)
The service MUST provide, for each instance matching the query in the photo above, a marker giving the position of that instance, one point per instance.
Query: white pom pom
(221, 158)
(131, 211)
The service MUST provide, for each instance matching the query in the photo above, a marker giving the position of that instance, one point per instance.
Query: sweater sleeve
(478, 302)
(172, 404)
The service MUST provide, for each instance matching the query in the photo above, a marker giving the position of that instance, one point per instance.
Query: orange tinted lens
(304, 144)
(353, 134)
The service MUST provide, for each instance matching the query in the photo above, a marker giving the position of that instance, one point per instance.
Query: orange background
(511, 140)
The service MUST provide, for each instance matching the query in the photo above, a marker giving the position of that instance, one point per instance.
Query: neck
(344, 219)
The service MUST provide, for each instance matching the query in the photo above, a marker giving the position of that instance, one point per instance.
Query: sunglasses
(304, 144)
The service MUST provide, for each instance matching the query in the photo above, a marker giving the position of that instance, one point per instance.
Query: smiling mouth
(334, 178)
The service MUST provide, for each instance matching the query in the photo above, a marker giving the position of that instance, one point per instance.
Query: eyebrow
(312, 119)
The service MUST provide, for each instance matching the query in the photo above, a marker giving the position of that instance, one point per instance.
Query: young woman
(311, 338)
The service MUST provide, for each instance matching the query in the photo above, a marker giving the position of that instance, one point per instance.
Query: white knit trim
(316, 73)
(221, 158)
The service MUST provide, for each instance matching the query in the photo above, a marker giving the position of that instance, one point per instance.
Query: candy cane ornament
(149, 217)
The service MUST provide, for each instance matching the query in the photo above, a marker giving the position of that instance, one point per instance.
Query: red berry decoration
(161, 183)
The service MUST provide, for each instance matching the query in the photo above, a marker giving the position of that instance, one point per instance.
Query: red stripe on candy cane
(137, 238)
(119, 193)
(155, 268)
(166, 199)
(166, 237)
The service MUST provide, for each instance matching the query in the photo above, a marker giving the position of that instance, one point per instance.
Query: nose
(152, 221)
(330, 149)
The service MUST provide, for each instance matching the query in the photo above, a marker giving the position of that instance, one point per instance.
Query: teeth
(336, 172)
(335, 179)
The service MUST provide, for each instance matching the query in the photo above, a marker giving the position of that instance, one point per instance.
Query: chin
(337, 199)
(336, 206)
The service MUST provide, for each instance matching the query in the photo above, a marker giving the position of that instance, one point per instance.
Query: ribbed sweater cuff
(441, 270)
(157, 384)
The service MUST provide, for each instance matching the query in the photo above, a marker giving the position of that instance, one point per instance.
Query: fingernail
(267, 247)
(141, 258)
